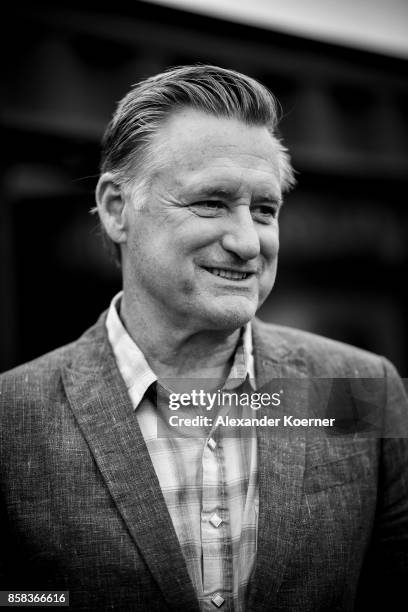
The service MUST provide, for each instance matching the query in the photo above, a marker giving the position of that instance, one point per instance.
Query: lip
(249, 273)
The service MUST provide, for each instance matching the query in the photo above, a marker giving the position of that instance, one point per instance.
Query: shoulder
(35, 374)
(320, 356)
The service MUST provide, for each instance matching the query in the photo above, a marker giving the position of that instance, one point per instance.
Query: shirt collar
(137, 373)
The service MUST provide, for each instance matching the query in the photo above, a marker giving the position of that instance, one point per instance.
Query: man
(99, 497)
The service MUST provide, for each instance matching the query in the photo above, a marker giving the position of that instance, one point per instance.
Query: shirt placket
(215, 529)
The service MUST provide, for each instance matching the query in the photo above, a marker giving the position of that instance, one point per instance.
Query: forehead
(194, 147)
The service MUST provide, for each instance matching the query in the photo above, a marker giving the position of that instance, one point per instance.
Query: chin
(230, 316)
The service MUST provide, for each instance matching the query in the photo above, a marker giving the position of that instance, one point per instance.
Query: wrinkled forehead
(193, 148)
(226, 183)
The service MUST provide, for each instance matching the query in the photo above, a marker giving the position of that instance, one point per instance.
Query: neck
(172, 351)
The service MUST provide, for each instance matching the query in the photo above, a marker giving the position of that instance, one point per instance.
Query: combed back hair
(127, 142)
(218, 91)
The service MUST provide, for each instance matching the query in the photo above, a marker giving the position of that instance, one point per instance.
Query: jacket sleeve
(384, 583)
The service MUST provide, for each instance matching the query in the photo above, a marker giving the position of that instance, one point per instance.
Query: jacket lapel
(103, 410)
(281, 462)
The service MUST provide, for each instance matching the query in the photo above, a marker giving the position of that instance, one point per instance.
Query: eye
(265, 213)
(207, 208)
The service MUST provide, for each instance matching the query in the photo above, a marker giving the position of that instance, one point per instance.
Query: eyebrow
(216, 192)
(269, 197)
(225, 192)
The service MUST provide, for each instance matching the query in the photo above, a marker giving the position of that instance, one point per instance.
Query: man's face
(202, 251)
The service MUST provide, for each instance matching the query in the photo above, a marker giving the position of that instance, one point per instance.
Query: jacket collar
(279, 366)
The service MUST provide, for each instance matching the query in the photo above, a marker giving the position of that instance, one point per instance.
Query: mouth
(233, 275)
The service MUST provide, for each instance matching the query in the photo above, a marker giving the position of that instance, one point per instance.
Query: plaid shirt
(209, 481)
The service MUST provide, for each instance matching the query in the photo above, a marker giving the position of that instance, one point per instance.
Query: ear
(111, 207)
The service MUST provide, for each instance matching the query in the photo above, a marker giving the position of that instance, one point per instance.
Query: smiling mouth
(229, 274)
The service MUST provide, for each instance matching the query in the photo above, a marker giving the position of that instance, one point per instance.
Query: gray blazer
(82, 510)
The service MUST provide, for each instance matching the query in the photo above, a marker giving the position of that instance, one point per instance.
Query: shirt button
(215, 520)
(217, 600)
(211, 443)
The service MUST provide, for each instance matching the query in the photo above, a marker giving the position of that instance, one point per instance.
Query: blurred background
(340, 73)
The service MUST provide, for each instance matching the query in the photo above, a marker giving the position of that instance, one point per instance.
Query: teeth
(230, 274)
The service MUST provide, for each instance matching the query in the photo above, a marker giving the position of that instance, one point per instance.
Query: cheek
(197, 233)
(186, 288)
(269, 241)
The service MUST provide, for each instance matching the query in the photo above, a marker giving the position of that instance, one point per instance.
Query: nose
(241, 236)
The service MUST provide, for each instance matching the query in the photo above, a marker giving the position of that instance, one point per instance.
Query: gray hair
(126, 144)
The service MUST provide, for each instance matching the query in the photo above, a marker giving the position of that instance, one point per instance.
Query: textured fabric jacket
(82, 510)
